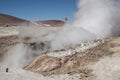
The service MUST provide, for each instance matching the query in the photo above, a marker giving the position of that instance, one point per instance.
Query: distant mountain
(8, 20)
(53, 23)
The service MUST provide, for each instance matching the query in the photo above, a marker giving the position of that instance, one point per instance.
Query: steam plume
(70, 36)
(101, 17)
(95, 18)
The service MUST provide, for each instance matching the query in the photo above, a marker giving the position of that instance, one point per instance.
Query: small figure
(7, 69)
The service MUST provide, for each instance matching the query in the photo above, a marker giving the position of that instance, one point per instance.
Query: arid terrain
(84, 63)
(93, 60)
(61, 40)
(26, 51)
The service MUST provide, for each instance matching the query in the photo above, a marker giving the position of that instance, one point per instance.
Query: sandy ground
(19, 74)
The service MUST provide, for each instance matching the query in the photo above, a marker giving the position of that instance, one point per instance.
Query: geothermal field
(86, 49)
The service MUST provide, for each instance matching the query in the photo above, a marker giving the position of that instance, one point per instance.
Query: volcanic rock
(44, 63)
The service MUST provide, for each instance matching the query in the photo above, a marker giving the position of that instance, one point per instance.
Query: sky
(34, 10)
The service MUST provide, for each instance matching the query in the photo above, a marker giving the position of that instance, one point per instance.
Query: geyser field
(86, 49)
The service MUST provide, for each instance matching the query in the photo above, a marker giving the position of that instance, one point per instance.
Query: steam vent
(60, 40)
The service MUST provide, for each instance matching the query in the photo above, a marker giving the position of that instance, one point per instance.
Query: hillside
(53, 23)
(92, 61)
(8, 20)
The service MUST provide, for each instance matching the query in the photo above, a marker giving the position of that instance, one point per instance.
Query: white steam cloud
(24, 51)
(70, 36)
(101, 17)
(95, 18)
(37, 33)
(17, 56)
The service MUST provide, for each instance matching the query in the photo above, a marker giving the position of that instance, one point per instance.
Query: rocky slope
(83, 62)
(94, 60)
